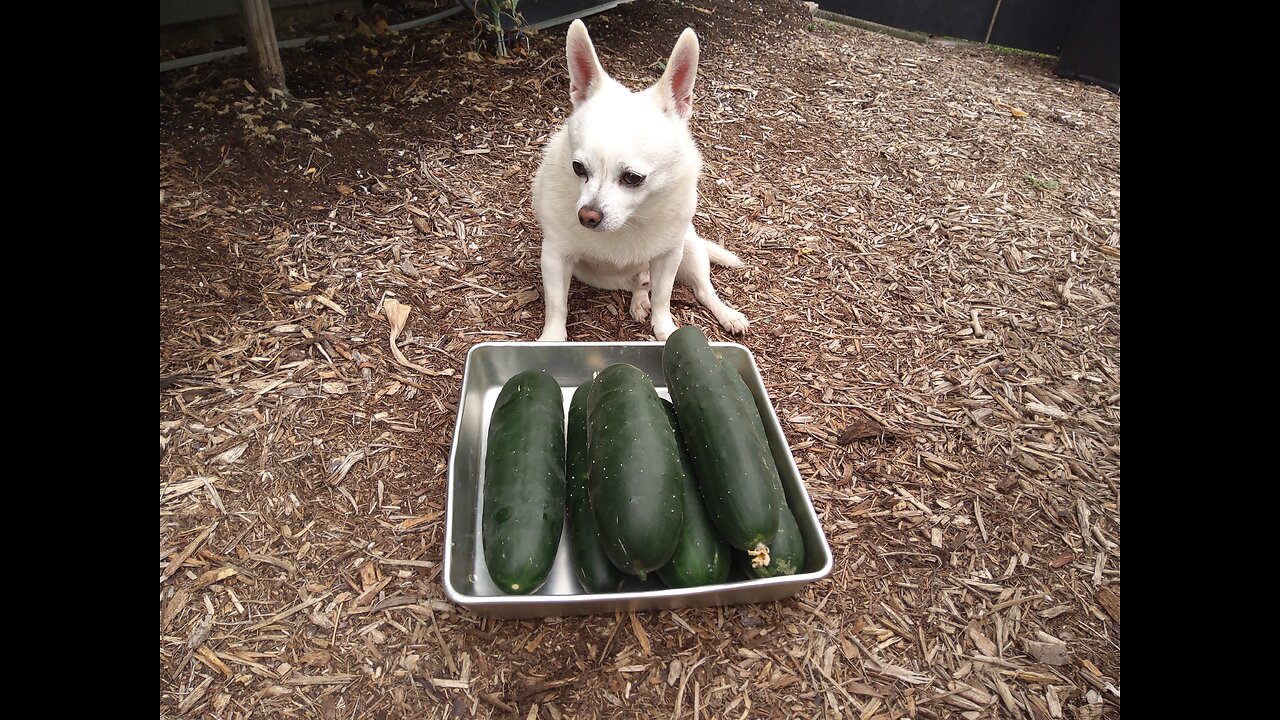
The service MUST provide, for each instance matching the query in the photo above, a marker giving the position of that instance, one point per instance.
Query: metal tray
(466, 579)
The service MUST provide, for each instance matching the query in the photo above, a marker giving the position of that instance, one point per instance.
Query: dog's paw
(662, 332)
(640, 306)
(553, 336)
(734, 321)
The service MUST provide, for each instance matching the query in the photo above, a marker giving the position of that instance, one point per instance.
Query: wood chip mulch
(932, 243)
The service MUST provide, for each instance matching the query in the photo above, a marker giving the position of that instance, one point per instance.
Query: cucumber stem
(759, 555)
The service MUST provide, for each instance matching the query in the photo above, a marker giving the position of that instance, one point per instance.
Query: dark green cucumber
(524, 483)
(786, 552)
(594, 570)
(735, 379)
(635, 476)
(725, 437)
(701, 557)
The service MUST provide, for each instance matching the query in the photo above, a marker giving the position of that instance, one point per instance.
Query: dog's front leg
(640, 296)
(557, 272)
(662, 276)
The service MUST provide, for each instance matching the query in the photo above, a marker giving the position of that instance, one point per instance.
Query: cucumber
(786, 552)
(725, 438)
(524, 483)
(634, 479)
(595, 572)
(701, 557)
(744, 392)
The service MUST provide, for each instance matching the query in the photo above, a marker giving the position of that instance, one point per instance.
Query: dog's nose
(589, 217)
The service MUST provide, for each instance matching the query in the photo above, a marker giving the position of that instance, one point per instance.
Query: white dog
(616, 191)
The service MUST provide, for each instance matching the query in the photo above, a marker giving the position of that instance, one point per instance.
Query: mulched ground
(932, 241)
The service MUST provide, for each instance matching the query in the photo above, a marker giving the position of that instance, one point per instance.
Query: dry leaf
(339, 467)
(303, 286)
(346, 189)
(355, 24)
(1016, 112)
(398, 315)
(860, 428)
(314, 657)
(210, 577)
(1049, 653)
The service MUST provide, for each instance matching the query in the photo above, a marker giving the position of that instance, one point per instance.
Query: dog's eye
(632, 179)
(579, 169)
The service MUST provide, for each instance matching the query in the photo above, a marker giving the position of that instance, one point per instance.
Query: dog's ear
(675, 89)
(585, 72)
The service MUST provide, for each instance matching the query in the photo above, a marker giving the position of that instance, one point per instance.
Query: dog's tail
(720, 256)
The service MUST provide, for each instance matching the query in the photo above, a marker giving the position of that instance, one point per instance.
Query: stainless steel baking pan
(466, 579)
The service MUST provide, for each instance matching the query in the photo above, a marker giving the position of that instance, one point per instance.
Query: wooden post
(992, 26)
(260, 38)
